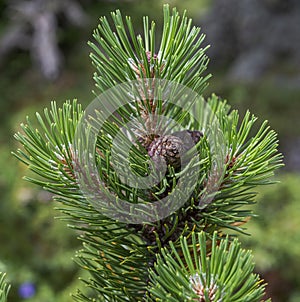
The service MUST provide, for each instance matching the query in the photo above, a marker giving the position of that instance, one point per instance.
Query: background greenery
(36, 248)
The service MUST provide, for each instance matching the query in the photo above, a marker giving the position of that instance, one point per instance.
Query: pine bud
(199, 286)
(140, 69)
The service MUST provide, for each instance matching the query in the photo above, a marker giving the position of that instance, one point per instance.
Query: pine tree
(154, 178)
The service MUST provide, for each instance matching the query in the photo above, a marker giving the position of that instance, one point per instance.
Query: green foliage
(49, 153)
(118, 255)
(35, 247)
(275, 241)
(179, 57)
(121, 248)
(4, 288)
(55, 164)
(279, 208)
(250, 161)
(195, 272)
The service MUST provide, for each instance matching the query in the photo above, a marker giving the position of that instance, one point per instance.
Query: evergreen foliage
(183, 253)
(187, 274)
(4, 288)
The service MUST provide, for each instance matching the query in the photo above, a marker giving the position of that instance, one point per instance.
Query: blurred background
(255, 61)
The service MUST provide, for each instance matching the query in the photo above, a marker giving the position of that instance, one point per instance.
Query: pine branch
(205, 270)
(123, 56)
(4, 288)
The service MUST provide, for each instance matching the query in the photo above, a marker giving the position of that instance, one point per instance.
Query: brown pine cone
(189, 137)
(169, 148)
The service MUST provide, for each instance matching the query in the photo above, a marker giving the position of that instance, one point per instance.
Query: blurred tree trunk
(33, 27)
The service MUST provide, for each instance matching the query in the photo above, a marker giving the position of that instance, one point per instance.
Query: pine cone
(189, 137)
(169, 148)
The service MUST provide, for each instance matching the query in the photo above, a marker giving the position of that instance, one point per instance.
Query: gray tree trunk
(34, 28)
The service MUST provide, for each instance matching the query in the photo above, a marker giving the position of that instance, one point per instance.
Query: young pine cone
(169, 148)
(189, 137)
(172, 147)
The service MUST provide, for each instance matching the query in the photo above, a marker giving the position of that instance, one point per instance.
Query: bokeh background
(255, 61)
